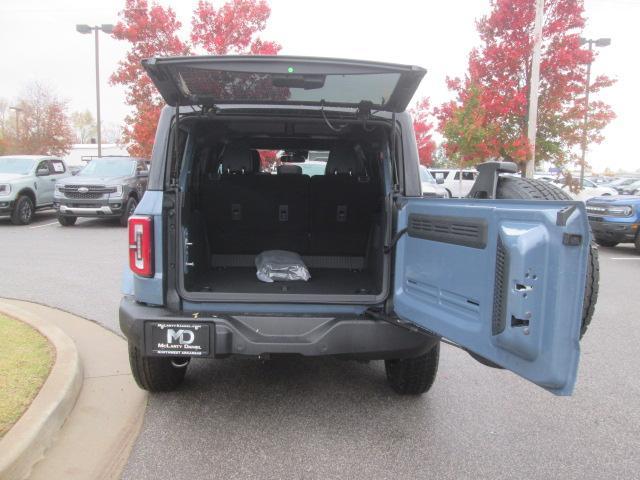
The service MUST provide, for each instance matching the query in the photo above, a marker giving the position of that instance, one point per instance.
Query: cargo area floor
(324, 281)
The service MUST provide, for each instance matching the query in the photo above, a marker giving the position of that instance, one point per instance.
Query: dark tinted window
(265, 87)
(465, 176)
(43, 164)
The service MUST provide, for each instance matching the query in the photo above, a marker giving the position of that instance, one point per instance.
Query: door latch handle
(563, 215)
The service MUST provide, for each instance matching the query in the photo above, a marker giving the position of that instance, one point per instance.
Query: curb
(101, 429)
(25, 443)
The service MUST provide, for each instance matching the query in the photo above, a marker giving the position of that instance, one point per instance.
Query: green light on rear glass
(290, 69)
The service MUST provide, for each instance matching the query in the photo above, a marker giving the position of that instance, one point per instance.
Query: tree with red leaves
(268, 159)
(500, 70)
(233, 28)
(152, 30)
(423, 128)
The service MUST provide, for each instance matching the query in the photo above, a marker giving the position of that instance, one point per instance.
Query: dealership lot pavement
(305, 418)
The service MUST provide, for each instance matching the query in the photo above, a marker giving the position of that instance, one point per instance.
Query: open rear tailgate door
(282, 80)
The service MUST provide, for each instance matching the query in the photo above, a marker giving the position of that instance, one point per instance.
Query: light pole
(534, 86)
(106, 28)
(17, 110)
(601, 42)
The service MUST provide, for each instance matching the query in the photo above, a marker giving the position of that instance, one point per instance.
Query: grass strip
(25, 361)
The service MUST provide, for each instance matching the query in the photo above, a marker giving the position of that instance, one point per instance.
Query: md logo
(183, 337)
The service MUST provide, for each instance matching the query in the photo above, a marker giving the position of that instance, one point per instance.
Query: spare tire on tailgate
(530, 189)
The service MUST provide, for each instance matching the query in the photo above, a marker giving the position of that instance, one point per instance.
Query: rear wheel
(129, 208)
(413, 376)
(67, 221)
(603, 242)
(157, 374)
(22, 211)
(530, 189)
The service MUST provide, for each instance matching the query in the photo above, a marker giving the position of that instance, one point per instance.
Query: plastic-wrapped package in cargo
(281, 266)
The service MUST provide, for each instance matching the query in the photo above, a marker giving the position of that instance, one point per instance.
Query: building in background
(89, 150)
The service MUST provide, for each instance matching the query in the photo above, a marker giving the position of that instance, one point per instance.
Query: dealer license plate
(178, 338)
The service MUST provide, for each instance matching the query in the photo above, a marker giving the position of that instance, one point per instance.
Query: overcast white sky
(39, 42)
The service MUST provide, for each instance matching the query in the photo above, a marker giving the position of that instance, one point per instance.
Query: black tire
(129, 208)
(637, 242)
(156, 374)
(590, 290)
(413, 376)
(22, 211)
(67, 221)
(603, 242)
(530, 189)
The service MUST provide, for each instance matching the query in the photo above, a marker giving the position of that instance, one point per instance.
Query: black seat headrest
(237, 159)
(288, 169)
(344, 161)
(255, 157)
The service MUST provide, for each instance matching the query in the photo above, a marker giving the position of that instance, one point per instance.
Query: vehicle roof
(452, 169)
(623, 179)
(616, 200)
(115, 157)
(32, 157)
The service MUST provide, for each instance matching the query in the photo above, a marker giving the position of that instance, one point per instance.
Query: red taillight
(141, 245)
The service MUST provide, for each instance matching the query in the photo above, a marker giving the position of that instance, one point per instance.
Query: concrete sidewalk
(99, 433)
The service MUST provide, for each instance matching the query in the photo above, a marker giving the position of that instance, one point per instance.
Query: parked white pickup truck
(457, 182)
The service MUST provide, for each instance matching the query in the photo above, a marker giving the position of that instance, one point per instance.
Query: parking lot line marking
(625, 258)
(45, 225)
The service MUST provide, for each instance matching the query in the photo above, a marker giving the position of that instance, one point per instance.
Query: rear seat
(324, 215)
(343, 201)
(288, 219)
(236, 207)
(250, 212)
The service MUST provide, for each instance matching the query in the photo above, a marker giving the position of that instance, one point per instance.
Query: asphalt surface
(309, 418)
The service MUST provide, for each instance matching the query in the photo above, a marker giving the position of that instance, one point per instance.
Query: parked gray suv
(507, 274)
(106, 187)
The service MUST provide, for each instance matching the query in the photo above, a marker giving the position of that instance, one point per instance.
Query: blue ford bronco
(507, 274)
(615, 220)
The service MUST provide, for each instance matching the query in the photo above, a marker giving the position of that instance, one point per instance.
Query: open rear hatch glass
(281, 80)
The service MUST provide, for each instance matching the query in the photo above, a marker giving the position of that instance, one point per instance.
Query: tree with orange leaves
(499, 74)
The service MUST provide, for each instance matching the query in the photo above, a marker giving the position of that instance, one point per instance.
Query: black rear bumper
(255, 335)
